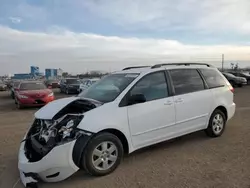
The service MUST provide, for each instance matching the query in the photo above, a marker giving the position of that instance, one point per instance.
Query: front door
(149, 121)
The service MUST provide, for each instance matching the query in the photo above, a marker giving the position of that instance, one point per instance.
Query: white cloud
(15, 20)
(78, 52)
(200, 15)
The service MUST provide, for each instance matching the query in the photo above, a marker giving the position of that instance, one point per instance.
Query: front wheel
(216, 124)
(103, 154)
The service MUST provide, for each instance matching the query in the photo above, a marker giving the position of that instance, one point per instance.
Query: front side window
(109, 87)
(152, 86)
(213, 78)
(186, 81)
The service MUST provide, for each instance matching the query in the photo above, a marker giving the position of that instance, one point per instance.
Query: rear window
(73, 81)
(186, 81)
(213, 78)
(32, 86)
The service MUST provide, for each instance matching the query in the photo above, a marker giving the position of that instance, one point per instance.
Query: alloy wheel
(104, 156)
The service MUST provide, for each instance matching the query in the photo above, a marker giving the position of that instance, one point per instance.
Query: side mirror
(135, 99)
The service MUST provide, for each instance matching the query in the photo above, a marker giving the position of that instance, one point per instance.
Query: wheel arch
(121, 136)
(223, 109)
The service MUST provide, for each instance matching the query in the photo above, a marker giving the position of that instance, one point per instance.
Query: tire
(112, 159)
(216, 129)
(18, 105)
(240, 85)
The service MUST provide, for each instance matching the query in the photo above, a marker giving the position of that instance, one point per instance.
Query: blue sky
(189, 29)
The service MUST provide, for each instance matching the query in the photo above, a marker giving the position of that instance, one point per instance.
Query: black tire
(18, 105)
(87, 163)
(210, 130)
(240, 85)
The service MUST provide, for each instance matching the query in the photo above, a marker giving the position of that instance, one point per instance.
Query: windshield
(245, 74)
(229, 75)
(52, 81)
(32, 86)
(109, 87)
(73, 81)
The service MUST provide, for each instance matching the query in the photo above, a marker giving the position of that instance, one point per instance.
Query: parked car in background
(32, 93)
(14, 85)
(234, 80)
(86, 83)
(3, 86)
(242, 74)
(123, 112)
(70, 85)
(52, 83)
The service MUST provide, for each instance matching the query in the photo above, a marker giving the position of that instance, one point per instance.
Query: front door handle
(179, 100)
(168, 103)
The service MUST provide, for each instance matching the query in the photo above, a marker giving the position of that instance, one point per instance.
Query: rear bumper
(231, 111)
(56, 166)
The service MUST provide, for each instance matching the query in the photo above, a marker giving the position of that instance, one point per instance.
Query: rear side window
(213, 78)
(186, 81)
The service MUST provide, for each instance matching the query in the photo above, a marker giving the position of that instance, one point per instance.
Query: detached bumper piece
(29, 179)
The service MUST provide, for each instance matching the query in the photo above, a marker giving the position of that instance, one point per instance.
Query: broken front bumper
(56, 166)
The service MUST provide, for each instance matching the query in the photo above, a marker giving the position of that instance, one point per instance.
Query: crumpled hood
(52, 108)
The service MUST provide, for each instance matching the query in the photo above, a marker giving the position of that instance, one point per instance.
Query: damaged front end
(44, 134)
(52, 147)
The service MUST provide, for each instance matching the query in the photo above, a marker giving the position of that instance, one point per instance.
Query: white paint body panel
(59, 159)
(52, 108)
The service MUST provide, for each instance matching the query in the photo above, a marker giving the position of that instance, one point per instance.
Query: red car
(32, 94)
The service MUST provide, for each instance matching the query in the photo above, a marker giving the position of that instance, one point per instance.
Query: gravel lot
(194, 161)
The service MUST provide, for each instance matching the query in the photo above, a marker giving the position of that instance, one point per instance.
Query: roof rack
(178, 64)
(135, 67)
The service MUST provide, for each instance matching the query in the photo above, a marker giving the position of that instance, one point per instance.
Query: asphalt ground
(192, 161)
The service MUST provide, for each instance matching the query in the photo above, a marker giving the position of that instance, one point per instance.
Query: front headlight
(51, 94)
(22, 96)
(68, 129)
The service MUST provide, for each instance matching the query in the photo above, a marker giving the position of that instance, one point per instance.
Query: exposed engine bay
(44, 135)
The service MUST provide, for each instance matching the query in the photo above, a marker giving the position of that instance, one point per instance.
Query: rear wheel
(102, 155)
(216, 124)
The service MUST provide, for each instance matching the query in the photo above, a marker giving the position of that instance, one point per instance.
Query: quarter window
(152, 86)
(213, 78)
(186, 81)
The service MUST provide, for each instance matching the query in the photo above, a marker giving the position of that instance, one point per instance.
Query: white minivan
(123, 112)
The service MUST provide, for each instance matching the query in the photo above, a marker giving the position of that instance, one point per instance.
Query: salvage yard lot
(194, 161)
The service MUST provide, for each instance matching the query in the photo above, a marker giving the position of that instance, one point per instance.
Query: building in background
(34, 71)
(51, 73)
(21, 76)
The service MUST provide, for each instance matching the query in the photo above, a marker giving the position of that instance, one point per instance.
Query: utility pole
(222, 61)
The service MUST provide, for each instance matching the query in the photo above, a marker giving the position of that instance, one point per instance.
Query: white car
(87, 83)
(123, 112)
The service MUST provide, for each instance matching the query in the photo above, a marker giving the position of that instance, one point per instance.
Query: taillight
(231, 87)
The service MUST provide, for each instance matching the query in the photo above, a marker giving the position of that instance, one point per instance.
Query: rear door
(192, 100)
